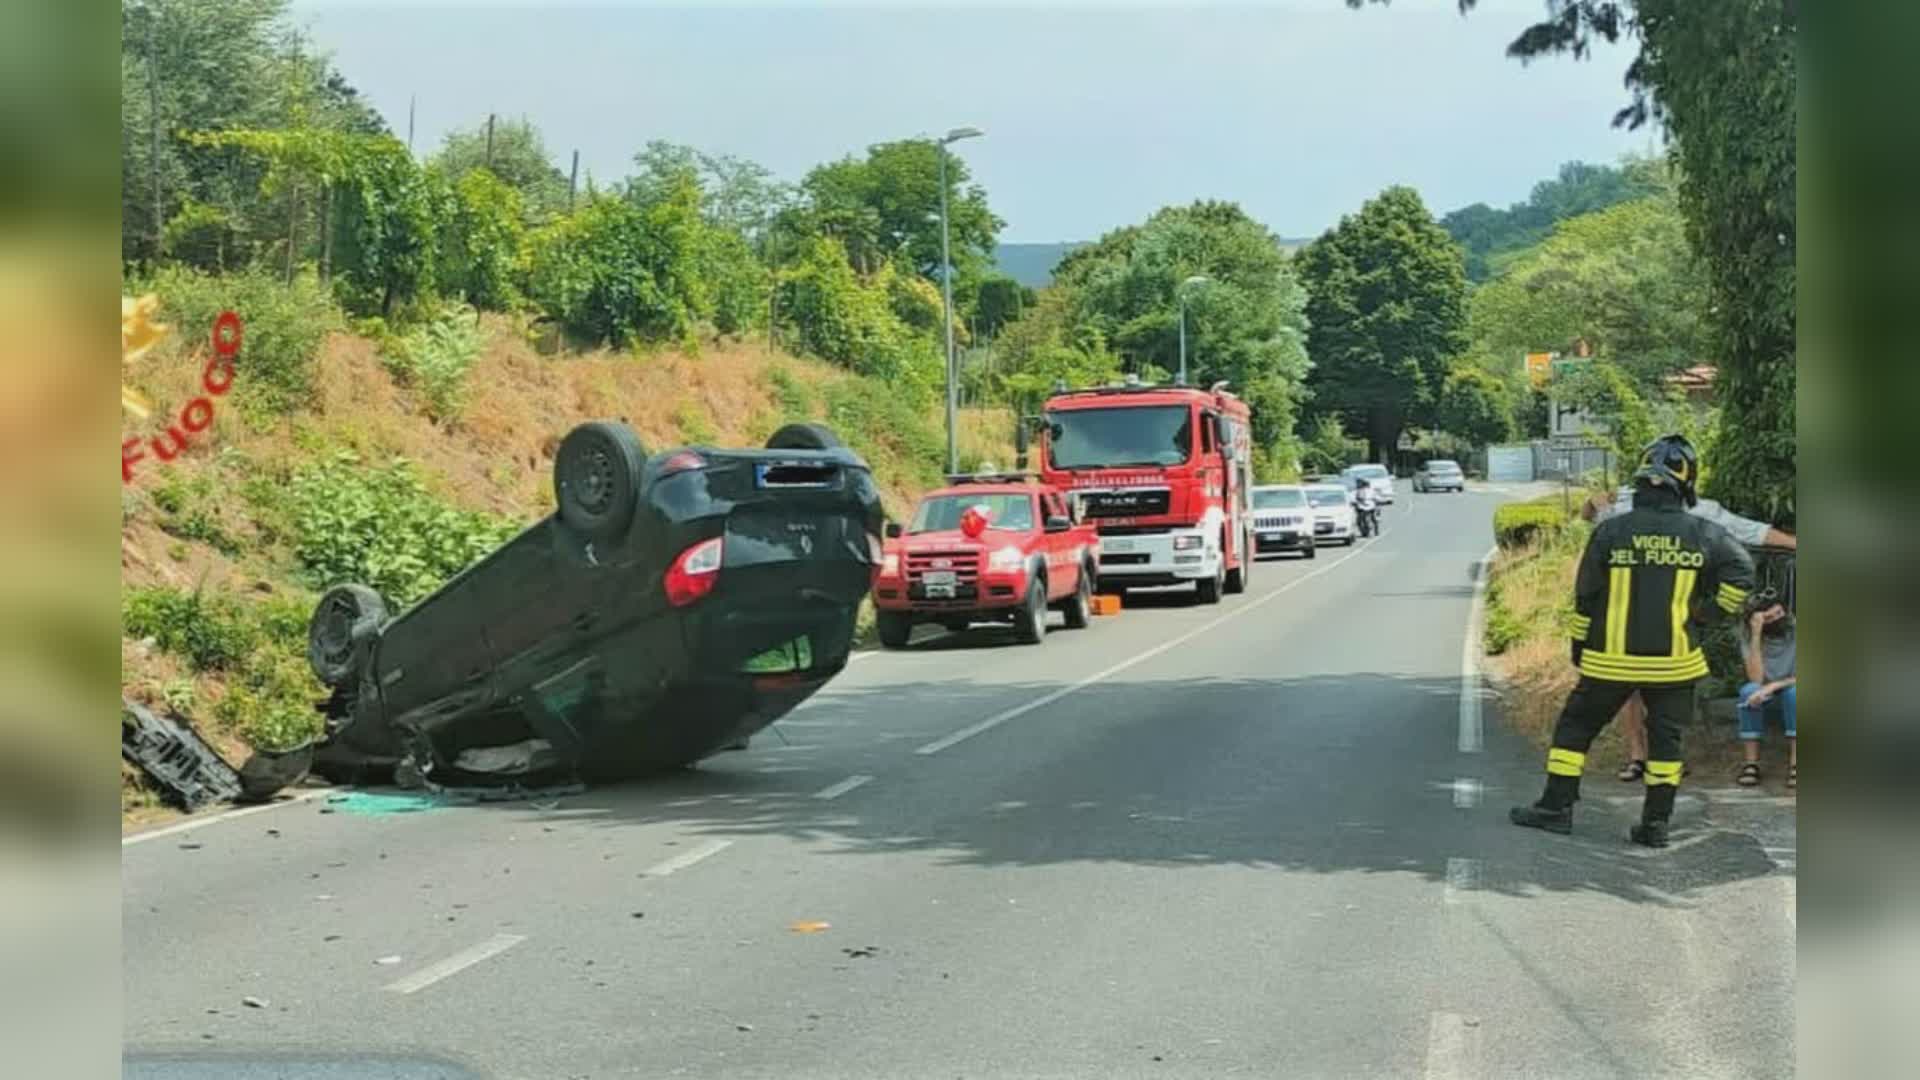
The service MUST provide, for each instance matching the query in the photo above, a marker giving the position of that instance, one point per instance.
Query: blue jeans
(1753, 722)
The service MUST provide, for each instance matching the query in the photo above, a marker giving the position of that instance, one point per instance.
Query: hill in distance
(1032, 264)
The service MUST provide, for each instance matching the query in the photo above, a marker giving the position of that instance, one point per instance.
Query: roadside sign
(1539, 366)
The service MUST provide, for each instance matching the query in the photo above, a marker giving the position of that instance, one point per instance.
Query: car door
(1061, 567)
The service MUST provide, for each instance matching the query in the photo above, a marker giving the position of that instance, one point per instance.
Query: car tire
(1030, 626)
(1079, 609)
(344, 624)
(1311, 551)
(804, 437)
(1237, 577)
(1208, 590)
(596, 478)
(893, 627)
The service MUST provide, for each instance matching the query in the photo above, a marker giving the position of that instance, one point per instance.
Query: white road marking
(1466, 793)
(834, 791)
(1453, 1047)
(1793, 900)
(687, 858)
(1044, 700)
(225, 815)
(1462, 876)
(455, 964)
(1471, 735)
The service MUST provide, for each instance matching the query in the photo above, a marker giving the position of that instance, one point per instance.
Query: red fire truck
(1165, 473)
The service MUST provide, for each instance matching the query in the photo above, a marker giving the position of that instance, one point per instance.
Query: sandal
(1749, 775)
(1631, 771)
(1793, 776)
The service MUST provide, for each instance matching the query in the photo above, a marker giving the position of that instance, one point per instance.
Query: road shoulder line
(1472, 719)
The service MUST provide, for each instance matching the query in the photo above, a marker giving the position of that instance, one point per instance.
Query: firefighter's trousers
(1592, 705)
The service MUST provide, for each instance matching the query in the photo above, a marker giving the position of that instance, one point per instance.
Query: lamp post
(946, 294)
(1197, 279)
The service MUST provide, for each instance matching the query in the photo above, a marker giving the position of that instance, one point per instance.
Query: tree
(1722, 80)
(1622, 279)
(1603, 390)
(998, 300)
(1580, 188)
(1474, 406)
(479, 242)
(1388, 309)
(621, 273)
(390, 210)
(888, 205)
(519, 158)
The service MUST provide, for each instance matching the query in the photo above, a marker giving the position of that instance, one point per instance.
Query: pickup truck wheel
(1237, 577)
(1080, 608)
(894, 627)
(1031, 627)
(804, 437)
(344, 622)
(1209, 589)
(596, 478)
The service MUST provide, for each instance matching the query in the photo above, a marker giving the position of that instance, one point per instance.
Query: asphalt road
(1265, 838)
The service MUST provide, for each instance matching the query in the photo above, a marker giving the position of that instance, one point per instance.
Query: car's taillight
(695, 573)
(684, 461)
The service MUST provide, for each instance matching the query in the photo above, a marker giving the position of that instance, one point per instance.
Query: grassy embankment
(1529, 593)
(397, 461)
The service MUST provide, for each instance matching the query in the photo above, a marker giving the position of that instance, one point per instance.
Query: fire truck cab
(1164, 472)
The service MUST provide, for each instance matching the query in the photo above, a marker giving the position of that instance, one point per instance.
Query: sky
(1095, 114)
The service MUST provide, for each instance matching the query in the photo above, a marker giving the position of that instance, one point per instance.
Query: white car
(1439, 475)
(1282, 520)
(1376, 476)
(1332, 514)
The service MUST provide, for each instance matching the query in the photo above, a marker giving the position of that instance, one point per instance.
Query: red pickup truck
(999, 548)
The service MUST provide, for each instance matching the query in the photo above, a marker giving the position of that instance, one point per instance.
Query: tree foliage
(1487, 234)
(519, 159)
(619, 273)
(1388, 310)
(1475, 407)
(887, 206)
(1246, 323)
(480, 241)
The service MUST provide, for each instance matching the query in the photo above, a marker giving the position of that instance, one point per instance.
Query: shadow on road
(1326, 774)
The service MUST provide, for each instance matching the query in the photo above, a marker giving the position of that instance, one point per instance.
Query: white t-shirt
(1746, 530)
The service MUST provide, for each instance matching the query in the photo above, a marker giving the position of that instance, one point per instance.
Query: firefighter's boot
(1554, 811)
(1655, 813)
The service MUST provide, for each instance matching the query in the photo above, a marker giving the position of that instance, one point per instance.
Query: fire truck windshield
(1125, 437)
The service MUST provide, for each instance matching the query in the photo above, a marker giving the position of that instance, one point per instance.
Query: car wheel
(804, 437)
(894, 628)
(596, 478)
(1311, 551)
(1080, 608)
(1209, 589)
(344, 623)
(1031, 627)
(1237, 577)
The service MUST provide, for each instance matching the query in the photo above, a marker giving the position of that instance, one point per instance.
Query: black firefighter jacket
(1639, 578)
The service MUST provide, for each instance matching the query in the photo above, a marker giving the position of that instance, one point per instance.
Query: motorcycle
(1368, 519)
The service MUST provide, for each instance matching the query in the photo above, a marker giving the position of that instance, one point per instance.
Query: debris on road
(743, 1027)
(191, 845)
(253, 1002)
(808, 926)
(189, 773)
(863, 952)
(387, 961)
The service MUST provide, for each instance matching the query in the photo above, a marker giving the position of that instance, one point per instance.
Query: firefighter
(1632, 631)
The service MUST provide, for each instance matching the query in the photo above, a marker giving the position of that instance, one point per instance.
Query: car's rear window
(1371, 472)
(1279, 499)
(1443, 466)
(1327, 496)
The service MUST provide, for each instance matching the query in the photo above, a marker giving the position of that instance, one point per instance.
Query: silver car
(1439, 475)
(1376, 476)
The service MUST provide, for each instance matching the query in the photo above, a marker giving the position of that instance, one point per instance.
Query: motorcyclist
(1366, 504)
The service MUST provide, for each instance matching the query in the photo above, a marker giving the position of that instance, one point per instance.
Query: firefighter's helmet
(1670, 461)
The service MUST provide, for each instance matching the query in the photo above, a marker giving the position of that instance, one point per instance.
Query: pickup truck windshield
(1004, 510)
(1284, 499)
(1120, 437)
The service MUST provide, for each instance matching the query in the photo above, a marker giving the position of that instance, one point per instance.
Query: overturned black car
(670, 607)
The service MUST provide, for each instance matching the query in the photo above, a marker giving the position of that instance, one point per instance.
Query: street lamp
(1197, 279)
(946, 293)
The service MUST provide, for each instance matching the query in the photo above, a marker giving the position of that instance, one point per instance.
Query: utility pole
(573, 180)
(410, 103)
(489, 140)
(946, 294)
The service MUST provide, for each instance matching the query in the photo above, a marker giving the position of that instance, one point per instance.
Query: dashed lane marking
(1044, 700)
(1466, 793)
(1471, 734)
(687, 858)
(834, 791)
(1453, 1047)
(455, 964)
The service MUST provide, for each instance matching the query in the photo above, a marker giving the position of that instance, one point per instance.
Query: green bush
(1515, 524)
(480, 242)
(435, 356)
(272, 704)
(735, 281)
(795, 397)
(620, 273)
(283, 326)
(382, 527)
(885, 427)
(212, 632)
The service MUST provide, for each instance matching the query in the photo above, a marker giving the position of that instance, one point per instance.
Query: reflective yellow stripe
(1682, 596)
(1730, 597)
(1619, 596)
(1578, 625)
(1565, 762)
(1663, 772)
(1613, 667)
